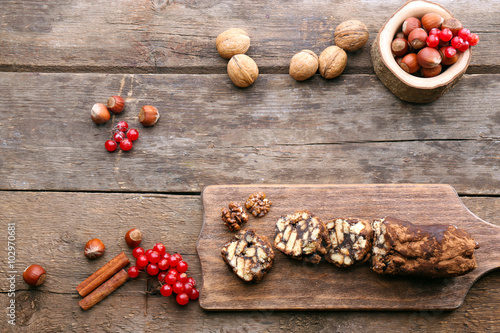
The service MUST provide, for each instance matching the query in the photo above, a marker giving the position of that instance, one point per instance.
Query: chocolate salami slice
(301, 235)
(250, 256)
(351, 241)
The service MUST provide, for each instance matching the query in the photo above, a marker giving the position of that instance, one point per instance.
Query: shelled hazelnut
(34, 275)
(94, 248)
(433, 44)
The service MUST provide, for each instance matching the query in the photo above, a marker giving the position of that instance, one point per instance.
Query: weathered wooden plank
(179, 36)
(280, 131)
(53, 226)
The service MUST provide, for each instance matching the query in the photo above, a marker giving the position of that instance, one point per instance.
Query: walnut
(231, 42)
(242, 70)
(302, 235)
(234, 216)
(258, 205)
(402, 248)
(351, 35)
(250, 256)
(303, 65)
(332, 62)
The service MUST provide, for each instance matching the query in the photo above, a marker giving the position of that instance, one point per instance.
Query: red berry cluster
(170, 269)
(122, 136)
(425, 45)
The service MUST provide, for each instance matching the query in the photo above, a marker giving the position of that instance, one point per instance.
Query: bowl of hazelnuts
(422, 51)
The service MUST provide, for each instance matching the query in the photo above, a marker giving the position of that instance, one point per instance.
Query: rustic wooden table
(59, 187)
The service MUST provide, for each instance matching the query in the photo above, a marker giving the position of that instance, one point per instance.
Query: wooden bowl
(406, 86)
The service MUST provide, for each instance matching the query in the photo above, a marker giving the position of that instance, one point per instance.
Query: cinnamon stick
(101, 275)
(104, 290)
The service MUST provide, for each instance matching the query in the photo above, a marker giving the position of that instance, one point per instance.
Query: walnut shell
(351, 35)
(242, 70)
(231, 42)
(303, 65)
(332, 62)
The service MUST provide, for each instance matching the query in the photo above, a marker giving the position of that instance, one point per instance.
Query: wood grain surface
(293, 284)
(166, 36)
(278, 131)
(61, 188)
(52, 228)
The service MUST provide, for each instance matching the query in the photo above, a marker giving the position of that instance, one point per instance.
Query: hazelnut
(99, 113)
(231, 42)
(399, 47)
(149, 115)
(409, 63)
(432, 20)
(453, 24)
(410, 24)
(351, 35)
(431, 72)
(428, 57)
(303, 65)
(332, 62)
(34, 275)
(133, 238)
(94, 248)
(445, 60)
(242, 70)
(400, 34)
(417, 38)
(116, 104)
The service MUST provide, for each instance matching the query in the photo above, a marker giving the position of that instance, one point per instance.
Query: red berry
(133, 272)
(432, 41)
(137, 252)
(446, 35)
(142, 260)
(126, 145)
(170, 279)
(110, 145)
(457, 42)
(188, 288)
(166, 255)
(163, 264)
(464, 47)
(161, 275)
(192, 281)
(153, 269)
(122, 126)
(449, 52)
(118, 136)
(154, 257)
(464, 33)
(141, 268)
(182, 278)
(473, 39)
(178, 255)
(194, 294)
(182, 299)
(182, 266)
(166, 290)
(160, 248)
(133, 134)
(172, 261)
(178, 287)
(434, 31)
(148, 251)
(173, 271)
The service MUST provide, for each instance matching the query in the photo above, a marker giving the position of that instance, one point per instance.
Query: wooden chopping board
(296, 285)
